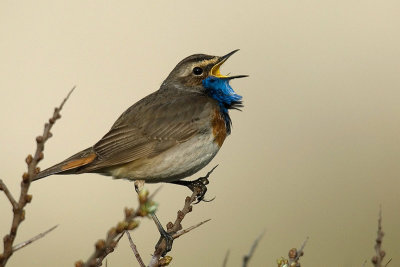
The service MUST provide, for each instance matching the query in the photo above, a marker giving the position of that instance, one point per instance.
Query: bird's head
(193, 72)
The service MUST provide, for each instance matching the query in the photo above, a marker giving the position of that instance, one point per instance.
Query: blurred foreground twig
(247, 257)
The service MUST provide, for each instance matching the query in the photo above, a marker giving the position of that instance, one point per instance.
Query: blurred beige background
(314, 153)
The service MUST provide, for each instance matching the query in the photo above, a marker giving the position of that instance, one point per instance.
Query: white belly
(176, 163)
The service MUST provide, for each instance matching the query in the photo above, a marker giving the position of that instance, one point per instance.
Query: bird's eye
(197, 71)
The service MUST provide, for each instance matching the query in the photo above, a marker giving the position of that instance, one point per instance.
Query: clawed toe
(205, 200)
(199, 186)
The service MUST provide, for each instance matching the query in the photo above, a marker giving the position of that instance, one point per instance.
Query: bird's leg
(164, 235)
(199, 185)
(139, 185)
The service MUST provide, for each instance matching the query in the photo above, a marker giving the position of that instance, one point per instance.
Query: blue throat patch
(220, 90)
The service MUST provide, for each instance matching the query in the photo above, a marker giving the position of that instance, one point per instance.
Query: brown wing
(151, 126)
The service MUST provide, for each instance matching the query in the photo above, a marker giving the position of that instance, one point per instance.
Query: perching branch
(24, 197)
(175, 230)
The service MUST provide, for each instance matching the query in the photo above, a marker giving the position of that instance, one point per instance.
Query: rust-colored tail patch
(78, 162)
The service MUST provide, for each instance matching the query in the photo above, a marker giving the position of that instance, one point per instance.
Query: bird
(168, 135)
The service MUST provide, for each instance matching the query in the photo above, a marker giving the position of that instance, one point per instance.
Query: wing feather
(151, 126)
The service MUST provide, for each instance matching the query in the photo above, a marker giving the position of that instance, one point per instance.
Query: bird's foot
(164, 235)
(199, 186)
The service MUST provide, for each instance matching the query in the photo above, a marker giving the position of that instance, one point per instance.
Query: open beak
(215, 69)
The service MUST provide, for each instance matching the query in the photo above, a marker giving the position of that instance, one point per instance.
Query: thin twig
(4, 188)
(224, 264)
(155, 192)
(134, 249)
(24, 197)
(187, 230)
(33, 239)
(247, 257)
(300, 252)
(387, 263)
(295, 254)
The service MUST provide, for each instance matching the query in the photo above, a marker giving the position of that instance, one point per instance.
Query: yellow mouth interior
(215, 70)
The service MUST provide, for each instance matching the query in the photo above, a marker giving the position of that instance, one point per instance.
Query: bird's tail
(70, 165)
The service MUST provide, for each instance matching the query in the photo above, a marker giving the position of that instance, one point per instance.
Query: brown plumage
(180, 115)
